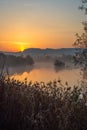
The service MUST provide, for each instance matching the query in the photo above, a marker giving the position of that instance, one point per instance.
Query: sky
(39, 24)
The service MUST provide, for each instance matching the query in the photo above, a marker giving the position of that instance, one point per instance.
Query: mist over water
(46, 72)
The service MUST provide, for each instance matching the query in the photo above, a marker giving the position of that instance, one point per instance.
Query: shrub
(36, 106)
(59, 63)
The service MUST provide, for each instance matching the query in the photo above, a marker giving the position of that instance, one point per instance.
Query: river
(46, 72)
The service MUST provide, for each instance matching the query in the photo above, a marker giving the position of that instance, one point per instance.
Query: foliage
(81, 41)
(59, 63)
(39, 106)
(11, 60)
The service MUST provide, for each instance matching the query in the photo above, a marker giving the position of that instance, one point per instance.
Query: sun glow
(22, 45)
(22, 48)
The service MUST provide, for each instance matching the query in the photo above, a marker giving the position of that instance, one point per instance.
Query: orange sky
(38, 24)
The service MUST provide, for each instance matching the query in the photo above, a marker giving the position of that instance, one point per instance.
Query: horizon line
(38, 48)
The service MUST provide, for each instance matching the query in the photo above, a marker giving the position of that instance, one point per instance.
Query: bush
(40, 106)
(59, 63)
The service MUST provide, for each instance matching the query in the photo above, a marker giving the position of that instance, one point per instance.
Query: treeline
(11, 60)
(52, 58)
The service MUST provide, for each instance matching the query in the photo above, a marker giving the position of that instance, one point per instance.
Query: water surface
(46, 72)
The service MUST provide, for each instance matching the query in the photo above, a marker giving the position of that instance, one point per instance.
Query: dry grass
(40, 106)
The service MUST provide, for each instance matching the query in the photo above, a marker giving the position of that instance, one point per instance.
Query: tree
(59, 63)
(81, 42)
(29, 60)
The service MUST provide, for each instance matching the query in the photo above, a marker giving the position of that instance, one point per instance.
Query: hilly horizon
(47, 51)
(37, 48)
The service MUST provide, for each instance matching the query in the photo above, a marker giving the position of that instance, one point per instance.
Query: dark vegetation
(40, 106)
(81, 42)
(59, 63)
(52, 58)
(11, 60)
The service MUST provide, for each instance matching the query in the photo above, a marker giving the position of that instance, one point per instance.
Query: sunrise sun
(22, 45)
(22, 48)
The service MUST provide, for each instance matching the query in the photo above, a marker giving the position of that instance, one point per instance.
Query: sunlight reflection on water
(46, 72)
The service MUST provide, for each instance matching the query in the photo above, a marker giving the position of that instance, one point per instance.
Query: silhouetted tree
(59, 63)
(81, 42)
(29, 60)
(2, 63)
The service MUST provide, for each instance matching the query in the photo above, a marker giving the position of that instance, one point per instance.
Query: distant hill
(48, 51)
(42, 52)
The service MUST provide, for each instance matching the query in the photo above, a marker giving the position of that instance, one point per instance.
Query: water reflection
(20, 70)
(66, 67)
(46, 72)
(58, 68)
